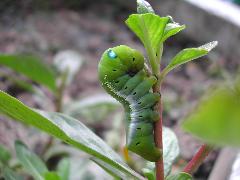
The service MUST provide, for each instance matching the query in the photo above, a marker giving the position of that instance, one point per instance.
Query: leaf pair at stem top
(153, 31)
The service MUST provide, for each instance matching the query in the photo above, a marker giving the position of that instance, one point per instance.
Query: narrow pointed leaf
(30, 161)
(189, 54)
(30, 66)
(65, 128)
(144, 7)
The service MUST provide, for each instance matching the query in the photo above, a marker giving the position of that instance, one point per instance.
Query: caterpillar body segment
(122, 75)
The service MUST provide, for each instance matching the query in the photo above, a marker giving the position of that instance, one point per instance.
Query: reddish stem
(198, 159)
(158, 136)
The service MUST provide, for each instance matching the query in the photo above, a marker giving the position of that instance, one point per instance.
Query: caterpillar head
(120, 60)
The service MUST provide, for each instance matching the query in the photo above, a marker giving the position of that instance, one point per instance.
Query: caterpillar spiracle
(122, 75)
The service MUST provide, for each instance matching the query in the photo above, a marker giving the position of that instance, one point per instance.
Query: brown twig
(158, 135)
(198, 159)
(61, 88)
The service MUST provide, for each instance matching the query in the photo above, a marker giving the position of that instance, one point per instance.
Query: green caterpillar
(122, 74)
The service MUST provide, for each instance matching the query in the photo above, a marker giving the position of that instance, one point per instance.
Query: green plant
(33, 165)
(56, 78)
(122, 74)
(221, 105)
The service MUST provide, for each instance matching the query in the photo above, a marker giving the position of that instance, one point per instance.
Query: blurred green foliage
(216, 119)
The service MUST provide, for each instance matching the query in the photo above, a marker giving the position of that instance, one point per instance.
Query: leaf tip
(209, 46)
(144, 7)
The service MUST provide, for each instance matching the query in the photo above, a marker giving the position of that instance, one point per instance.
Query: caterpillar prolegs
(122, 74)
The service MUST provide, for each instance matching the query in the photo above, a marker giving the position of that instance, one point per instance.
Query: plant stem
(58, 106)
(198, 159)
(155, 66)
(160, 53)
(60, 92)
(158, 108)
(158, 135)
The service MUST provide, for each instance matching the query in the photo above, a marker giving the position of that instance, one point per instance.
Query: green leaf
(116, 174)
(189, 54)
(94, 109)
(180, 176)
(51, 176)
(63, 169)
(5, 155)
(171, 30)
(149, 28)
(170, 149)
(30, 66)
(9, 174)
(144, 7)
(65, 128)
(216, 118)
(31, 162)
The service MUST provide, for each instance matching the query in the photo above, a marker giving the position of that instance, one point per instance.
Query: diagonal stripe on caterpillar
(122, 75)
